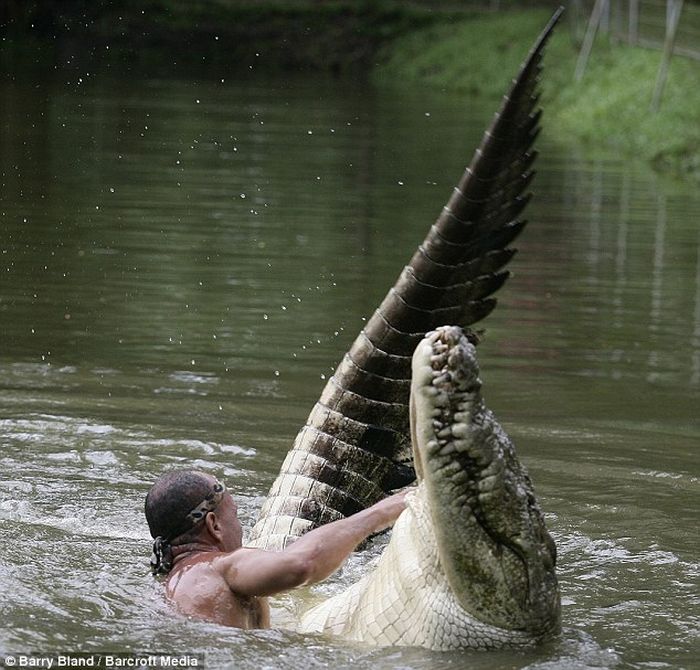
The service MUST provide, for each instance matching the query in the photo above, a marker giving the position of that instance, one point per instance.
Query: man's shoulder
(227, 560)
(204, 564)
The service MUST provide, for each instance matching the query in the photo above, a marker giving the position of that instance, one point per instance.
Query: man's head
(188, 507)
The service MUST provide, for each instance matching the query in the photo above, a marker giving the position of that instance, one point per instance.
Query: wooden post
(633, 27)
(587, 46)
(673, 15)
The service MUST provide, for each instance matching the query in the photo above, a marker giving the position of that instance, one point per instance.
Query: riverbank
(434, 45)
(609, 108)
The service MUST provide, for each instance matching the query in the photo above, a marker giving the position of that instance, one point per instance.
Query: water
(183, 262)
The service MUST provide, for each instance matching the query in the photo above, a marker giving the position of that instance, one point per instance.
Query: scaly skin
(470, 563)
(356, 445)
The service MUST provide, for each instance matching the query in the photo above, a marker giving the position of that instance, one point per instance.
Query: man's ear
(211, 522)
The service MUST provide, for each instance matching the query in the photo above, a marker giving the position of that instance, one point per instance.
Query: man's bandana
(209, 504)
(162, 556)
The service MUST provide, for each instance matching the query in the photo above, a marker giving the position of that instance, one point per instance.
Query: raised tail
(356, 444)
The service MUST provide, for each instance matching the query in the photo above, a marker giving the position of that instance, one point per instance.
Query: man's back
(198, 588)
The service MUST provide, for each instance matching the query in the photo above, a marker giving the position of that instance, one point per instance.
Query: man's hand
(388, 510)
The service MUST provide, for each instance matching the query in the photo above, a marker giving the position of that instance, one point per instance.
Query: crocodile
(472, 535)
(470, 563)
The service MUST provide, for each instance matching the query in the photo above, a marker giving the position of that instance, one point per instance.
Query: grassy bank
(434, 44)
(609, 107)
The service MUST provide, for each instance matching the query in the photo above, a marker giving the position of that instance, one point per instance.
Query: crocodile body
(470, 563)
(357, 443)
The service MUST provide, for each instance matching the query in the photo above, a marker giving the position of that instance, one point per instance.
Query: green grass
(610, 107)
(430, 45)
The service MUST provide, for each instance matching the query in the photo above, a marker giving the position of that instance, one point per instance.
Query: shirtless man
(211, 576)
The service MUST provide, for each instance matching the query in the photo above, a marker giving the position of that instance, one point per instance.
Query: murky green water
(184, 261)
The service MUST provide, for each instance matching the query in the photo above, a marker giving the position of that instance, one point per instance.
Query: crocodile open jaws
(470, 563)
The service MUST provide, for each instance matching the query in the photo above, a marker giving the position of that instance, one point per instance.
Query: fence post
(593, 23)
(673, 15)
(633, 27)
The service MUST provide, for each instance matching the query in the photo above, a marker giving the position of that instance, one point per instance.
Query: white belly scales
(406, 600)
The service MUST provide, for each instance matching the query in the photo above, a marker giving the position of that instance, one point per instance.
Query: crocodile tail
(356, 446)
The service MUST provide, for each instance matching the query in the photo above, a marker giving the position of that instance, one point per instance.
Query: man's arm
(313, 557)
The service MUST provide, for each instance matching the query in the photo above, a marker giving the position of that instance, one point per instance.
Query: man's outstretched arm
(313, 557)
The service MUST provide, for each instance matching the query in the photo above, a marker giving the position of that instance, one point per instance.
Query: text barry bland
(103, 661)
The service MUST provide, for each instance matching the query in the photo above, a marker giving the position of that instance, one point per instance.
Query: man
(211, 576)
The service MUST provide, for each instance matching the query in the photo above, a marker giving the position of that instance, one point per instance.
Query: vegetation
(441, 44)
(609, 107)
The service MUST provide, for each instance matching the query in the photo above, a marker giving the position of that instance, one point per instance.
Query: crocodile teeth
(448, 449)
(442, 378)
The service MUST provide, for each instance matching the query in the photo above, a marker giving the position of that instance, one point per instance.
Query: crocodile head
(493, 546)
